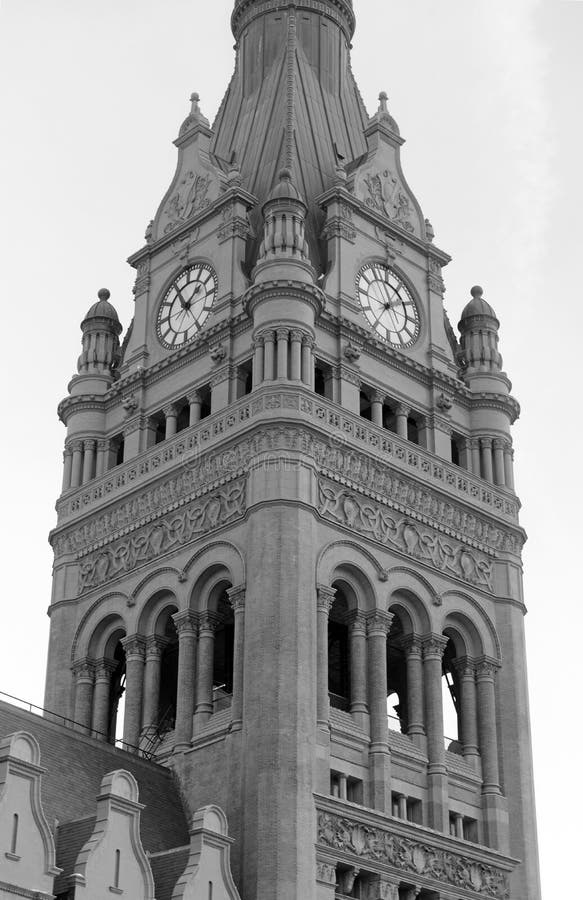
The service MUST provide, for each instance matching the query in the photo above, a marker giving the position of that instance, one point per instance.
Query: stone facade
(288, 494)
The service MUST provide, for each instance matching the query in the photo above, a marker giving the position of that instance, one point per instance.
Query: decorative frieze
(372, 520)
(414, 856)
(168, 533)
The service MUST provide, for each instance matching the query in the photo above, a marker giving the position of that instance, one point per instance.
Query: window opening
(14, 841)
(183, 415)
(116, 869)
(365, 406)
(117, 695)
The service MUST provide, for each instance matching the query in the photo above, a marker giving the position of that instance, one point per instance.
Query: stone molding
(175, 530)
(342, 506)
(236, 597)
(325, 596)
(415, 855)
(389, 476)
(378, 622)
(186, 622)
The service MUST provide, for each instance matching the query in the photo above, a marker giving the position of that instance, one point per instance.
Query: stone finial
(103, 294)
(383, 115)
(195, 117)
(478, 328)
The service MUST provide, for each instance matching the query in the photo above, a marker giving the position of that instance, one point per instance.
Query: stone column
(88, 460)
(486, 459)
(324, 603)
(357, 636)
(383, 887)
(268, 357)
(77, 463)
(101, 466)
(296, 354)
(499, 461)
(401, 414)
(186, 626)
(402, 801)
(465, 455)
(257, 361)
(495, 814)
(104, 669)
(236, 597)
(282, 342)
(438, 816)
(414, 660)
(342, 786)
(508, 466)
(67, 468)
(466, 671)
(154, 649)
(84, 675)
(378, 624)
(207, 624)
(307, 361)
(134, 647)
(194, 404)
(377, 409)
(475, 456)
(171, 414)
(458, 825)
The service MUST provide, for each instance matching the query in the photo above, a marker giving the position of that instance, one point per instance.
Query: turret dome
(285, 189)
(477, 306)
(103, 309)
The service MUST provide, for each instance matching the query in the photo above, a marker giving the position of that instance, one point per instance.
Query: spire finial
(103, 294)
(383, 98)
(477, 291)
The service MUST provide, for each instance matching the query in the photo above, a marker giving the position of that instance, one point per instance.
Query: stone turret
(101, 329)
(284, 252)
(479, 355)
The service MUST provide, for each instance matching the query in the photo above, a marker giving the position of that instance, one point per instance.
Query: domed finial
(103, 294)
(194, 98)
(477, 291)
(383, 98)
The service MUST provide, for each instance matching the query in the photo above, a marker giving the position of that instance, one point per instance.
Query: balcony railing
(380, 844)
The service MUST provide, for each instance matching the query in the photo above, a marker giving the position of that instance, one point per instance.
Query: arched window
(451, 699)
(339, 653)
(116, 695)
(223, 655)
(396, 679)
(166, 713)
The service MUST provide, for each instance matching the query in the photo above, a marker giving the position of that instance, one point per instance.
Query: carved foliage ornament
(386, 194)
(411, 856)
(189, 198)
(358, 514)
(168, 533)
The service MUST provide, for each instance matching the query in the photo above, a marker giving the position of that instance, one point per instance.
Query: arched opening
(116, 709)
(396, 678)
(451, 699)
(339, 653)
(412, 429)
(223, 654)
(166, 712)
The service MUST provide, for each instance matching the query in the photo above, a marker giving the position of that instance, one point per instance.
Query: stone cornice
(340, 11)
(284, 288)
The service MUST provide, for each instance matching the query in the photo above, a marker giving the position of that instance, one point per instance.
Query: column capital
(208, 622)
(186, 622)
(499, 443)
(377, 397)
(155, 646)
(267, 336)
(356, 620)
(401, 409)
(170, 410)
(103, 445)
(257, 341)
(104, 668)
(84, 669)
(282, 334)
(76, 446)
(378, 622)
(194, 397)
(308, 340)
(434, 646)
(473, 443)
(325, 596)
(89, 444)
(486, 441)
(134, 646)
(486, 668)
(465, 666)
(412, 644)
(236, 597)
(296, 335)
(67, 452)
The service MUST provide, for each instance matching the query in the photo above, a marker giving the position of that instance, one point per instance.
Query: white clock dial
(388, 305)
(186, 305)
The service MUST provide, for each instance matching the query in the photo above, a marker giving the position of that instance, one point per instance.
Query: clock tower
(288, 539)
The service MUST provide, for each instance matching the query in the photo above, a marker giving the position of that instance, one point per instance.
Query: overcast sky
(487, 94)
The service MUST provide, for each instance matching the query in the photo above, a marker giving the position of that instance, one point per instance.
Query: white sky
(487, 94)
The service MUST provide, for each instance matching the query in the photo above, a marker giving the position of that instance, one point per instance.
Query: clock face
(388, 305)
(186, 305)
